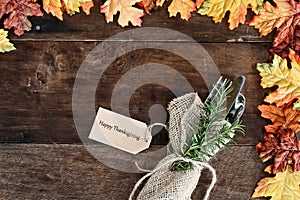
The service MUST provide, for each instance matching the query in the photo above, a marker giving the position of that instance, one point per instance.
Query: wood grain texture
(37, 171)
(93, 27)
(36, 103)
(36, 92)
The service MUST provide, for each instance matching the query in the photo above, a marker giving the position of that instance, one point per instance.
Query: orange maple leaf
(57, 7)
(183, 7)
(271, 17)
(285, 16)
(53, 7)
(86, 6)
(285, 116)
(237, 8)
(199, 3)
(127, 13)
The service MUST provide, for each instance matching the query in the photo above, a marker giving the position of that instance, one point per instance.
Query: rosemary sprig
(212, 132)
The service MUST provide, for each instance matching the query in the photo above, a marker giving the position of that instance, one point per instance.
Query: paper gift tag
(121, 132)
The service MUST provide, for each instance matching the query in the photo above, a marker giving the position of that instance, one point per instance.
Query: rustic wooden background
(41, 154)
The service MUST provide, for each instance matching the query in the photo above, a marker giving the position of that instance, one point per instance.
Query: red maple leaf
(287, 37)
(285, 16)
(283, 146)
(18, 11)
(285, 116)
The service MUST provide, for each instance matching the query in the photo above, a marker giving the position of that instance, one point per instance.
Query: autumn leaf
(18, 12)
(297, 105)
(53, 7)
(238, 10)
(5, 45)
(282, 146)
(86, 5)
(279, 74)
(199, 3)
(57, 7)
(271, 17)
(128, 13)
(284, 16)
(284, 116)
(160, 2)
(147, 5)
(183, 7)
(287, 37)
(284, 186)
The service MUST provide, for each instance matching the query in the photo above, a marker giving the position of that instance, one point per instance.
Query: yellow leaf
(297, 105)
(271, 17)
(287, 79)
(284, 186)
(184, 7)
(56, 7)
(237, 8)
(53, 7)
(5, 45)
(72, 6)
(128, 13)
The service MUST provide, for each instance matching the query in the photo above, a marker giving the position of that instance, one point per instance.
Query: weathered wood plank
(32, 171)
(36, 92)
(94, 28)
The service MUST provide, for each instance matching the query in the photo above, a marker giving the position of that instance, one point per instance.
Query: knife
(235, 100)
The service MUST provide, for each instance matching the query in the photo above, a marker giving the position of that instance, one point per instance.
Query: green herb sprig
(212, 132)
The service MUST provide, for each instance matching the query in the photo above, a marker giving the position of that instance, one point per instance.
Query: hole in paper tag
(121, 132)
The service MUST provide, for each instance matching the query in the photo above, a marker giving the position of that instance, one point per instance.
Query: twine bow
(196, 163)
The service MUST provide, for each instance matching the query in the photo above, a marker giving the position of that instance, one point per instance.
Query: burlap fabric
(164, 183)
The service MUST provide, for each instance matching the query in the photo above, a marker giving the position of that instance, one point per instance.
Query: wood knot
(42, 75)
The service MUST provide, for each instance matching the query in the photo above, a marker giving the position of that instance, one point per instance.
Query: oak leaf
(18, 12)
(284, 116)
(284, 186)
(282, 146)
(238, 10)
(5, 45)
(284, 16)
(127, 13)
(278, 73)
